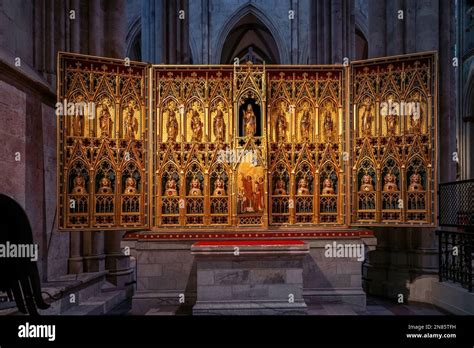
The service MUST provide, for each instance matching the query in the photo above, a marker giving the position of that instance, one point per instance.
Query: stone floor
(375, 306)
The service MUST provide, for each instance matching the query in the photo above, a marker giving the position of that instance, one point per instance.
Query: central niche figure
(195, 189)
(251, 195)
(250, 121)
(303, 189)
(196, 123)
(130, 186)
(281, 123)
(105, 188)
(390, 182)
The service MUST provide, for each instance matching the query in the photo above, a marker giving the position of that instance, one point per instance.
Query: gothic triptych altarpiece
(190, 146)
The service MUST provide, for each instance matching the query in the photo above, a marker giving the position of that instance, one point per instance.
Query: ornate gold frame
(318, 143)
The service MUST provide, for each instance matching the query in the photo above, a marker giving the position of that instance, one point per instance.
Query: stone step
(90, 309)
(108, 300)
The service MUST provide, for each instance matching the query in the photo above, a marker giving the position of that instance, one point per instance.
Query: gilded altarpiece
(394, 135)
(306, 145)
(193, 146)
(102, 141)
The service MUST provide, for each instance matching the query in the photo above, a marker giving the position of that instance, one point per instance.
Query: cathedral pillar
(116, 262)
(74, 27)
(96, 29)
(115, 29)
(94, 258)
(377, 28)
(75, 260)
(152, 30)
(395, 18)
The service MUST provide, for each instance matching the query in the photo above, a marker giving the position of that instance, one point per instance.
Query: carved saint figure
(281, 124)
(219, 187)
(196, 123)
(390, 182)
(303, 189)
(130, 124)
(195, 189)
(130, 186)
(219, 123)
(170, 188)
(105, 120)
(327, 187)
(79, 185)
(391, 118)
(105, 188)
(415, 183)
(367, 117)
(305, 122)
(416, 113)
(77, 121)
(172, 122)
(279, 188)
(328, 122)
(250, 122)
(366, 185)
(259, 193)
(247, 194)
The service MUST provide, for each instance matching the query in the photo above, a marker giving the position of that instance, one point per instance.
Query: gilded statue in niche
(219, 125)
(281, 122)
(250, 121)
(171, 121)
(366, 185)
(130, 186)
(416, 113)
(195, 189)
(328, 123)
(170, 188)
(390, 183)
(79, 185)
(415, 183)
(130, 123)
(196, 123)
(219, 187)
(391, 116)
(305, 122)
(303, 189)
(367, 117)
(105, 119)
(328, 188)
(77, 121)
(105, 187)
(280, 188)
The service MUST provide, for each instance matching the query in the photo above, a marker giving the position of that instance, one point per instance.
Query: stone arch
(236, 25)
(134, 40)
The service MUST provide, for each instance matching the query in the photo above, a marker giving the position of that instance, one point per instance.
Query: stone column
(115, 29)
(94, 258)
(152, 30)
(75, 261)
(116, 262)
(377, 28)
(395, 27)
(96, 29)
(74, 27)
